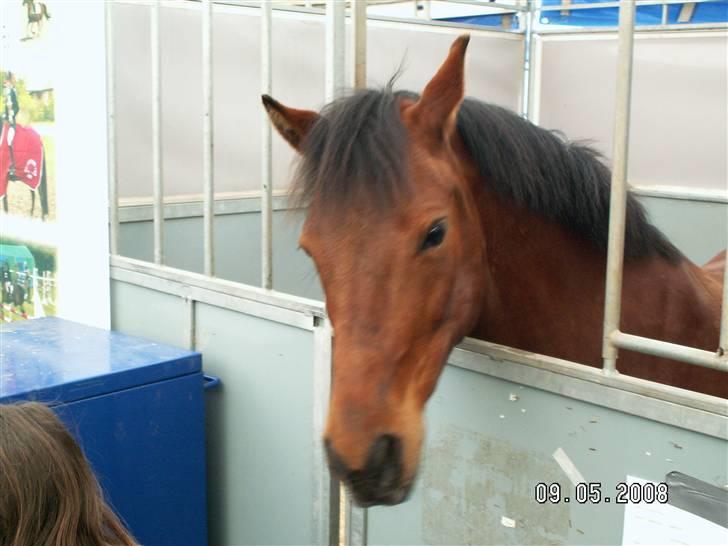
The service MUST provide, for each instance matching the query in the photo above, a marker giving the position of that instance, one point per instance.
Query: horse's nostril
(379, 481)
(384, 464)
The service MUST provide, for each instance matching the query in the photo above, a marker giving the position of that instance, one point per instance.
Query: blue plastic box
(137, 409)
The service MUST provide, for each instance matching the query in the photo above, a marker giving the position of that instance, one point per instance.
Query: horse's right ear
(292, 124)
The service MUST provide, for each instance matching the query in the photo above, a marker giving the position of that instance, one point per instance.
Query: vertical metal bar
(356, 524)
(111, 133)
(208, 192)
(156, 53)
(266, 79)
(723, 349)
(358, 44)
(335, 48)
(665, 14)
(527, 46)
(326, 502)
(191, 323)
(618, 196)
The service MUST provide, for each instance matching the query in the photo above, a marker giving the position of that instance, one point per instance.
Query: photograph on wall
(27, 143)
(28, 276)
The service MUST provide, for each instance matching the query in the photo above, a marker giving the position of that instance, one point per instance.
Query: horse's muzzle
(380, 481)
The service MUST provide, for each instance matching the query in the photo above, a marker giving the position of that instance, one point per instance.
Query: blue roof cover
(704, 12)
(56, 361)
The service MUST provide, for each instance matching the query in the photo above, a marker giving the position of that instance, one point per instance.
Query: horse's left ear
(292, 124)
(438, 106)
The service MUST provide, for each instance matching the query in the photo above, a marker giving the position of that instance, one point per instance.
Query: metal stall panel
(490, 441)
(237, 244)
(298, 75)
(679, 131)
(259, 432)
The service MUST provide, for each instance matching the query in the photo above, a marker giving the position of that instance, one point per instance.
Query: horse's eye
(435, 235)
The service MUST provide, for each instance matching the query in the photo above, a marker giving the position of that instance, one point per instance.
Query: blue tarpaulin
(705, 12)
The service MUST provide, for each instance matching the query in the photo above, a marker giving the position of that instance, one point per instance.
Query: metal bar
(233, 289)
(216, 298)
(669, 404)
(326, 503)
(723, 347)
(642, 29)
(356, 523)
(672, 351)
(661, 403)
(527, 51)
(315, 12)
(665, 14)
(157, 179)
(335, 48)
(618, 195)
(191, 306)
(428, 9)
(358, 44)
(266, 155)
(208, 191)
(485, 3)
(111, 132)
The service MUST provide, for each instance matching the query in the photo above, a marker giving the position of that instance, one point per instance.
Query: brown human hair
(50, 495)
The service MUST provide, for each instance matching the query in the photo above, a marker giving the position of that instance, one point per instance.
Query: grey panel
(298, 80)
(489, 442)
(260, 429)
(237, 243)
(698, 228)
(146, 313)
(679, 134)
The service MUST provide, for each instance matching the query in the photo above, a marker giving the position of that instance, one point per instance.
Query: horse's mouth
(365, 498)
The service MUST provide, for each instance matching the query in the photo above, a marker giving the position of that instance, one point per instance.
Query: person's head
(50, 496)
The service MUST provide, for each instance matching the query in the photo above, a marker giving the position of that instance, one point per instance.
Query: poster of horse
(27, 136)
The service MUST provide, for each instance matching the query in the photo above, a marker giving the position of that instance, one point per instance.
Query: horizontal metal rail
(305, 306)
(663, 403)
(672, 351)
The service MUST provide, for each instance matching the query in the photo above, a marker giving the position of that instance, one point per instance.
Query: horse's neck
(545, 290)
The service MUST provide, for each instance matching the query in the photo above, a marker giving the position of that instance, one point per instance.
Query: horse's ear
(292, 124)
(438, 106)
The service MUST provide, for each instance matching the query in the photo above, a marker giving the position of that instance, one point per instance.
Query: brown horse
(434, 217)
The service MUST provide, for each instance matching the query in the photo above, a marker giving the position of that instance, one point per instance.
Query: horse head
(393, 230)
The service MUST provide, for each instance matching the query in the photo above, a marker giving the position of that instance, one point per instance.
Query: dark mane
(357, 150)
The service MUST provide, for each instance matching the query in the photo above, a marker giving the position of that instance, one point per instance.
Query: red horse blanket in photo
(28, 154)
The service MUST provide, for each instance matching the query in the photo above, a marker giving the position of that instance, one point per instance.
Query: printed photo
(27, 147)
(28, 276)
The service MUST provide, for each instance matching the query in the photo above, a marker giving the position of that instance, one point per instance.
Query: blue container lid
(57, 361)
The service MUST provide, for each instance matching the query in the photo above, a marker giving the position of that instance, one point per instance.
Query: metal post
(665, 14)
(527, 47)
(428, 9)
(266, 78)
(156, 53)
(618, 196)
(326, 501)
(358, 44)
(335, 48)
(111, 133)
(723, 349)
(207, 139)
